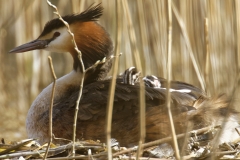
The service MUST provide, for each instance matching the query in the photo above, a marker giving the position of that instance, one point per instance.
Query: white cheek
(60, 44)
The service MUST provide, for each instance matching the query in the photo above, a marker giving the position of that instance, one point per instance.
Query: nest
(197, 144)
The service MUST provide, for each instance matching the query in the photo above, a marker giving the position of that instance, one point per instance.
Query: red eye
(56, 34)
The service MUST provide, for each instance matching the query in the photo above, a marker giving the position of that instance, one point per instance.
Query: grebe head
(91, 38)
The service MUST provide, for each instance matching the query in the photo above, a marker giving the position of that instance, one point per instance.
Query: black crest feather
(91, 14)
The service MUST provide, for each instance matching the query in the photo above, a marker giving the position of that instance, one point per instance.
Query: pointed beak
(33, 45)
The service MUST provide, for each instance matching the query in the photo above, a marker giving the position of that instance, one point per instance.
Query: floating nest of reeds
(197, 144)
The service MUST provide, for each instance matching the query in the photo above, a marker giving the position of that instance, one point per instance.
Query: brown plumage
(95, 44)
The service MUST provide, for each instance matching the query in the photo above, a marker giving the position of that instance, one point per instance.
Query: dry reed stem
(76, 114)
(82, 79)
(185, 35)
(113, 81)
(135, 52)
(237, 4)
(169, 77)
(189, 127)
(51, 104)
(82, 4)
(161, 36)
(143, 33)
(207, 63)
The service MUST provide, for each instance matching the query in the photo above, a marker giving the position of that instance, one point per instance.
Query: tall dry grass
(23, 76)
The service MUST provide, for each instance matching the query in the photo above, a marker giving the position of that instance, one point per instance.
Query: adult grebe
(95, 44)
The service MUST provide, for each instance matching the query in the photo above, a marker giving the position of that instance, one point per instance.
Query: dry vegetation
(23, 76)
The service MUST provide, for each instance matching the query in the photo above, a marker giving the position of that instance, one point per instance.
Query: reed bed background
(23, 76)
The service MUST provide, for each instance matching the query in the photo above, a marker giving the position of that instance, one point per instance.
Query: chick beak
(33, 45)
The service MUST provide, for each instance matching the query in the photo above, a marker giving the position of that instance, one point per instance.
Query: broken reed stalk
(90, 154)
(136, 54)
(113, 81)
(169, 77)
(82, 79)
(51, 105)
(187, 41)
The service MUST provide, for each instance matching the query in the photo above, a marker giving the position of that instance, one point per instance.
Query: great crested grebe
(95, 44)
